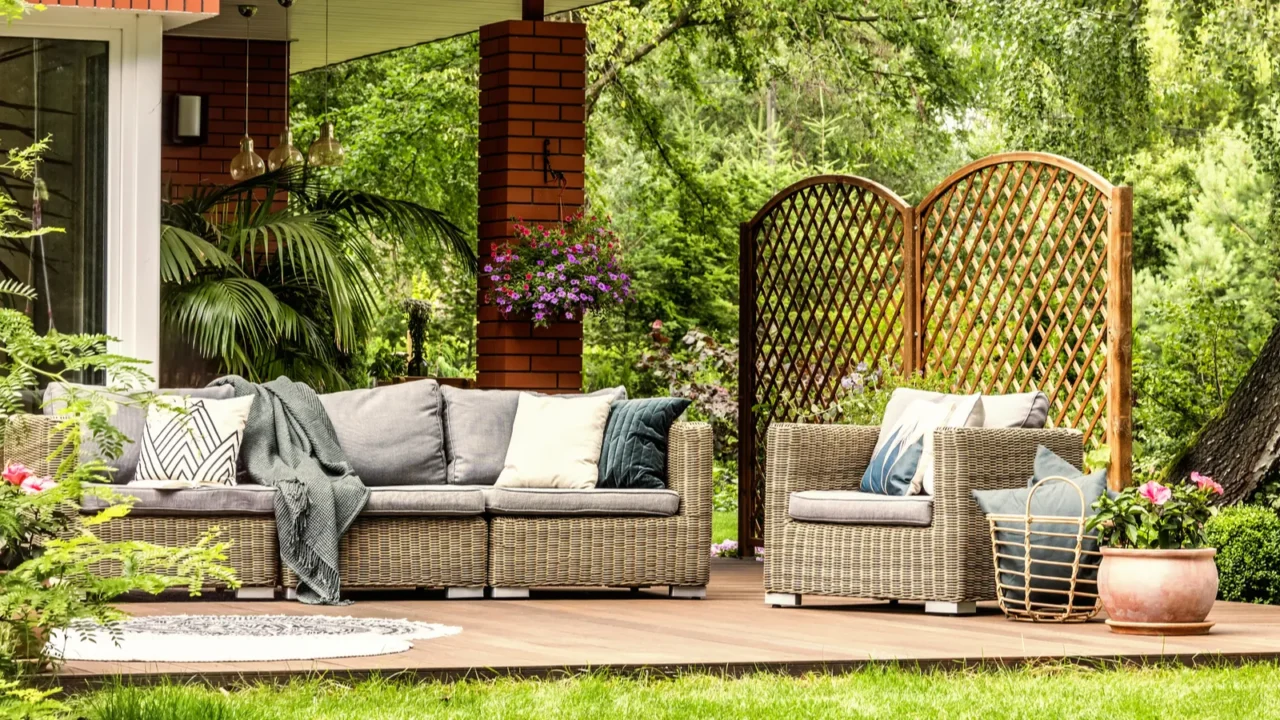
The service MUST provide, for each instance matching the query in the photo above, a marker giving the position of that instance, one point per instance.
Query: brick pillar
(532, 76)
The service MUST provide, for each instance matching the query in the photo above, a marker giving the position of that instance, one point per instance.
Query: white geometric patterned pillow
(193, 440)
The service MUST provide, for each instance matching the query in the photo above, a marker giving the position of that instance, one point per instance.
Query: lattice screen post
(746, 390)
(912, 360)
(1120, 337)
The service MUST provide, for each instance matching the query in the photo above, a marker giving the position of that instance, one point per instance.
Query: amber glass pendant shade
(326, 151)
(246, 164)
(285, 153)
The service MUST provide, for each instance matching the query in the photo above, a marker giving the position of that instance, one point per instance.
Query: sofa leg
(782, 599)
(951, 608)
(688, 592)
(464, 593)
(500, 593)
(291, 593)
(256, 593)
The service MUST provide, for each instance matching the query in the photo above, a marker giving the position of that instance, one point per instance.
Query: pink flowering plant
(559, 272)
(1156, 516)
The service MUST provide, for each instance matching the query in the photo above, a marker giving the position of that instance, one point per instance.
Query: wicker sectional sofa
(460, 538)
(936, 550)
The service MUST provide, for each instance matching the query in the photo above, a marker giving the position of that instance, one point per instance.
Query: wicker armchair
(947, 565)
(527, 552)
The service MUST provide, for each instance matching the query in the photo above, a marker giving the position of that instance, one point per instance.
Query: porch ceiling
(359, 27)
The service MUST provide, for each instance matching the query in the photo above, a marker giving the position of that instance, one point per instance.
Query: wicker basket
(1030, 595)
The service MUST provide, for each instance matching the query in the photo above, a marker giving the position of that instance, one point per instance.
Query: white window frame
(135, 59)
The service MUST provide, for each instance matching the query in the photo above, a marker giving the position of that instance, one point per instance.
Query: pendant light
(326, 151)
(246, 164)
(285, 153)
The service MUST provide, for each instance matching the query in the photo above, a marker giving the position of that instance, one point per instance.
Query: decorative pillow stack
(902, 463)
(193, 440)
(129, 418)
(526, 440)
(1054, 544)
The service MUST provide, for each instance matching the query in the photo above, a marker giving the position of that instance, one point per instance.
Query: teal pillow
(1057, 498)
(634, 453)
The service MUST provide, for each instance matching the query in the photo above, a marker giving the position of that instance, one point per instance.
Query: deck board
(731, 630)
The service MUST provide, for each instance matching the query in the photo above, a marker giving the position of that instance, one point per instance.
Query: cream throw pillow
(194, 440)
(555, 442)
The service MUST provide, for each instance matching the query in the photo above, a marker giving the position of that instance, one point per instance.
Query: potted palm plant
(1157, 577)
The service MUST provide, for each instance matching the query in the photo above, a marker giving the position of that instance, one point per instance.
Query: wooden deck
(731, 631)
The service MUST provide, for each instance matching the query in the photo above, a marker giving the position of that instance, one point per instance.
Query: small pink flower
(15, 473)
(1155, 492)
(1204, 482)
(33, 484)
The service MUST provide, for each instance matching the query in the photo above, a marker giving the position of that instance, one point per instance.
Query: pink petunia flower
(15, 473)
(1155, 492)
(1204, 482)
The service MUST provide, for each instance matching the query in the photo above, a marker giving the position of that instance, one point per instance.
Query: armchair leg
(782, 599)
(692, 592)
(950, 608)
(501, 593)
(464, 593)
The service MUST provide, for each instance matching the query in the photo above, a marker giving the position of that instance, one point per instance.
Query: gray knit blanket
(289, 444)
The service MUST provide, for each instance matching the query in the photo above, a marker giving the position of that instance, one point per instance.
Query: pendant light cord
(328, 70)
(248, 26)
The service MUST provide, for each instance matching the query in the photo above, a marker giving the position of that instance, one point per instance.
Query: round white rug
(241, 638)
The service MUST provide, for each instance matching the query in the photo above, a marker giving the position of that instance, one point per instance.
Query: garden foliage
(1248, 542)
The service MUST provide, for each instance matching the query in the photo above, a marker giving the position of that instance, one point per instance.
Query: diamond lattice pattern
(1014, 288)
(828, 273)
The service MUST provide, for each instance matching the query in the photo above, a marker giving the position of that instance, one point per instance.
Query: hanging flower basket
(559, 272)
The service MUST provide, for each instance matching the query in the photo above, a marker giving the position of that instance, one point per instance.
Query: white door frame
(135, 53)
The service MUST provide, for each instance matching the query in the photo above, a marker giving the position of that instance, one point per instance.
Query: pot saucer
(1140, 628)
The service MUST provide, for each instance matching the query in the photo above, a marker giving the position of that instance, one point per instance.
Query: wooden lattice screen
(1014, 273)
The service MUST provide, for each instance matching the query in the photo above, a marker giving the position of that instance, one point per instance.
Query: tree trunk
(1242, 445)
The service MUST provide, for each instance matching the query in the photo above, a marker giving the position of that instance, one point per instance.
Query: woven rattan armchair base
(946, 565)
(631, 552)
(411, 552)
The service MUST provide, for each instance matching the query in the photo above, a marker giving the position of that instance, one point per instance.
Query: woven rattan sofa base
(949, 561)
(411, 552)
(598, 552)
(617, 551)
(253, 552)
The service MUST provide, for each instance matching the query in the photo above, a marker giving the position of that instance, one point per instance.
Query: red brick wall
(193, 6)
(215, 69)
(532, 76)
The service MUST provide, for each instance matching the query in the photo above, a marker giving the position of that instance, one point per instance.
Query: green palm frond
(19, 289)
(408, 221)
(227, 317)
(183, 253)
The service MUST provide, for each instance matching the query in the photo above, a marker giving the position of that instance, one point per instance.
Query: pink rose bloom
(1204, 482)
(15, 473)
(33, 485)
(1155, 492)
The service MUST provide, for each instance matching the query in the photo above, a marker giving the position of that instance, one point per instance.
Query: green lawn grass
(724, 525)
(1040, 692)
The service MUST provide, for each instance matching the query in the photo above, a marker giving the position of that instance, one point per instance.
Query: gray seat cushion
(617, 502)
(128, 419)
(393, 435)
(850, 507)
(424, 500)
(221, 500)
(477, 426)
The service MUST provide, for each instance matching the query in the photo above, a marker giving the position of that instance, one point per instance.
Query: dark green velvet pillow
(634, 453)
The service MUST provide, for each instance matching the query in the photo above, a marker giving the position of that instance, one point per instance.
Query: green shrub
(1248, 542)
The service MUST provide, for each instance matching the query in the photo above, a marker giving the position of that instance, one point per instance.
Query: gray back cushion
(128, 419)
(477, 426)
(1016, 410)
(393, 435)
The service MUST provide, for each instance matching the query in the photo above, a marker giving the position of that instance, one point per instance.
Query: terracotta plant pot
(1158, 592)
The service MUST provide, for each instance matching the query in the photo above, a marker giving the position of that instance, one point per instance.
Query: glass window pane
(58, 89)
